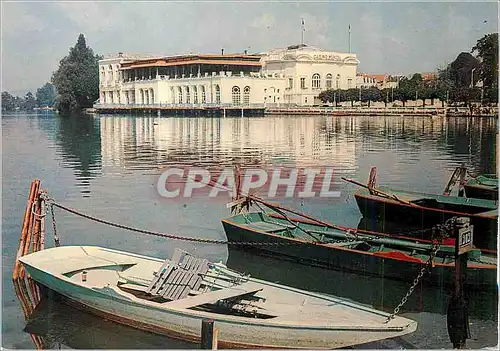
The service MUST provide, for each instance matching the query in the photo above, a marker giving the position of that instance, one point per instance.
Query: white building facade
(308, 71)
(292, 76)
(188, 81)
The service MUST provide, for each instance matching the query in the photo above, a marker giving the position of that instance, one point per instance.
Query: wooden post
(208, 335)
(457, 315)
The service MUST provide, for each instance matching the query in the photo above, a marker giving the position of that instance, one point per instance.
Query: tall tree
(487, 52)
(77, 78)
(29, 101)
(7, 101)
(46, 95)
(461, 70)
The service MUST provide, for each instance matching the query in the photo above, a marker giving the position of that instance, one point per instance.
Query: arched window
(180, 94)
(203, 95)
(217, 94)
(337, 82)
(195, 95)
(315, 81)
(329, 81)
(146, 97)
(246, 96)
(188, 96)
(236, 95)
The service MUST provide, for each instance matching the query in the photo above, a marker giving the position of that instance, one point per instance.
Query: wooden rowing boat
(427, 210)
(355, 250)
(484, 186)
(173, 296)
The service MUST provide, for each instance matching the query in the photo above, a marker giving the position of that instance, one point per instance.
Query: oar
(378, 192)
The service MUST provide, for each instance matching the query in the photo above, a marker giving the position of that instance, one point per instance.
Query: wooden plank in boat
(214, 296)
(164, 272)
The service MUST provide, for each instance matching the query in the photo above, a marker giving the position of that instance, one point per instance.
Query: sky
(387, 37)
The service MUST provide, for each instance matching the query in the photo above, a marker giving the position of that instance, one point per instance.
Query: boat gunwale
(330, 246)
(224, 318)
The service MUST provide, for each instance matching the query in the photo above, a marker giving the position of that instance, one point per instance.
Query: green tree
(77, 78)
(7, 101)
(487, 52)
(29, 102)
(46, 95)
(460, 70)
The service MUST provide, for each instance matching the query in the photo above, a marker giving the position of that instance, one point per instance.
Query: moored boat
(356, 250)
(172, 297)
(484, 186)
(428, 210)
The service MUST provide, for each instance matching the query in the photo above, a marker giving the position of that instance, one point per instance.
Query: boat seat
(178, 276)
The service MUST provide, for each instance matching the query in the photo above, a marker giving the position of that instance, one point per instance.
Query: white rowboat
(173, 296)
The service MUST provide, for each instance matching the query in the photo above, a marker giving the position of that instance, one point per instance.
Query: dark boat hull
(481, 192)
(351, 260)
(485, 229)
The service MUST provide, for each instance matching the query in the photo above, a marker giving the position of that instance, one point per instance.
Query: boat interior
(184, 281)
(359, 242)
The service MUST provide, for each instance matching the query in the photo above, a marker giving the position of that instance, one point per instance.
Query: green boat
(354, 250)
(484, 186)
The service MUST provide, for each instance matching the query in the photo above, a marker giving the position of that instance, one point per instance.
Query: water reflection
(147, 142)
(57, 326)
(78, 141)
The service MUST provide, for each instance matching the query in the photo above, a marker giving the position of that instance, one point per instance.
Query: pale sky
(388, 37)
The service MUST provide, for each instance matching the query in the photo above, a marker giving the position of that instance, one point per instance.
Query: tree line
(455, 84)
(45, 97)
(73, 86)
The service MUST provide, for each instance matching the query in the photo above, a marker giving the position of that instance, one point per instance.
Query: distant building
(188, 79)
(308, 71)
(295, 75)
(380, 81)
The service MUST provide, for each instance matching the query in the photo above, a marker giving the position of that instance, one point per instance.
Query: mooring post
(457, 316)
(208, 335)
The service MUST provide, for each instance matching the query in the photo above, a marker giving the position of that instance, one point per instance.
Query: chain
(443, 231)
(56, 238)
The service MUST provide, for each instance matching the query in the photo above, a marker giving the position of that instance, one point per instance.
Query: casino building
(291, 76)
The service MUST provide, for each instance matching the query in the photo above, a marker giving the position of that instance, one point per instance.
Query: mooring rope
(174, 236)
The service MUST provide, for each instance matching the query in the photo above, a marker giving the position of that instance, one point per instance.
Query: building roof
(208, 59)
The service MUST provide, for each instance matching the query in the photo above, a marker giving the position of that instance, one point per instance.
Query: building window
(236, 95)
(315, 81)
(172, 94)
(217, 94)
(188, 96)
(203, 95)
(329, 81)
(302, 83)
(337, 82)
(349, 83)
(246, 95)
(195, 95)
(180, 95)
(290, 83)
(152, 96)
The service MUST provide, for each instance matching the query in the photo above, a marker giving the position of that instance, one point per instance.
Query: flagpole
(302, 32)
(349, 38)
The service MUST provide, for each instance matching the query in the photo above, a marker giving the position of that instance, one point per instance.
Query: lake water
(108, 166)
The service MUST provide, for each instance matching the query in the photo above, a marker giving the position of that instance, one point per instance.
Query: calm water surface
(108, 166)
